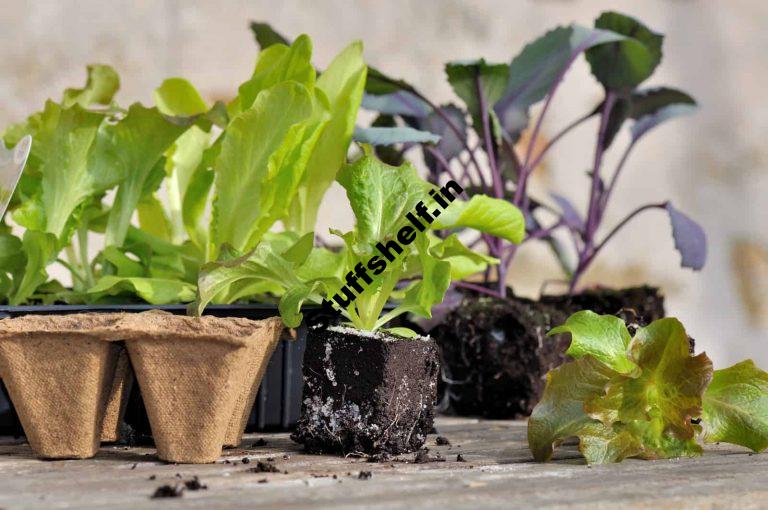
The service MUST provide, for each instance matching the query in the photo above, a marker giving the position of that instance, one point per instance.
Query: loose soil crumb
(260, 442)
(263, 480)
(442, 440)
(423, 457)
(460, 458)
(264, 467)
(167, 491)
(246, 460)
(364, 475)
(378, 457)
(153, 477)
(195, 485)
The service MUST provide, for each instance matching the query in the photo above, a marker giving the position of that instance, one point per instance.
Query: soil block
(196, 376)
(59, 372)
(366, 393)
(495, 353)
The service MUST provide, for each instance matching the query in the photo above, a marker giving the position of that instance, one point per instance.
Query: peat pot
(277, 403)
(199, 378)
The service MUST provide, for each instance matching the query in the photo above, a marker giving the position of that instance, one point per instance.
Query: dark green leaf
(469, 79)
(377, 83)
(267, 36)
(624, 64)
(539, 67)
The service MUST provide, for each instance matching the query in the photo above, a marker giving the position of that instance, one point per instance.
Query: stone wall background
(714, 166)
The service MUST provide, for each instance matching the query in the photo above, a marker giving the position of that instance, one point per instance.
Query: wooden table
(498, 473)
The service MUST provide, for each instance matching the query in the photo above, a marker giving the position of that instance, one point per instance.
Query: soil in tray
(366, 393)
(495, 353)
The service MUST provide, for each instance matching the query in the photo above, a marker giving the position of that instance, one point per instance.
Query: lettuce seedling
(381, 197)
(77, 157)
(480, 144)
(644, 396)
(230, 173)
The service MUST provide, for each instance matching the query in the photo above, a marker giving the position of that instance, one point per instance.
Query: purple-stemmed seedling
(478, 146)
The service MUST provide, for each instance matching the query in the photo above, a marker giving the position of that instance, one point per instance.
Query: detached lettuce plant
(478, 143)
(381, 197)
(645, 396)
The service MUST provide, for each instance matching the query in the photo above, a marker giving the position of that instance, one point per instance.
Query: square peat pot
(278, 401)
(366, 393)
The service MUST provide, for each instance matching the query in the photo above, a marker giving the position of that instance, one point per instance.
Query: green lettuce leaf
(635, 400)
(276, 262)
(380, 196)
(152, 217)
(605, 337)
(63, 144)
(672, 381)
(133, 147)
(736, 407)
(177, 96)
(489, 215)
(560, 412)
(342, 83)
(196, 199)
(155, 291)
(40, 249)
(263, 156)
(100, 88)
(278, 64)
(464, 261)
(182, 162)
(427, 291)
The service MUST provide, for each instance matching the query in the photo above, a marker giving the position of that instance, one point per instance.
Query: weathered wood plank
(498, 473)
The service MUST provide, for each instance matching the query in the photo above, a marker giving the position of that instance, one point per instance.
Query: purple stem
(452, 126)
(476, 288)
(567, 129)
(607, 194)
(498, 191)
(587, 260)
(495, 177)
(526, 170)
(593, 216)
(594, 197)
(443, 162)
(544, 232)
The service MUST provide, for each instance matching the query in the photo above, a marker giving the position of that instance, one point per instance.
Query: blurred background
(714, 165)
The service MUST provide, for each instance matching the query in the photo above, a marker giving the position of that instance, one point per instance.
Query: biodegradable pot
(366, 393)
(495, 353)
(117, 400)
(278, 401)
(59, 372)
(197, 377)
